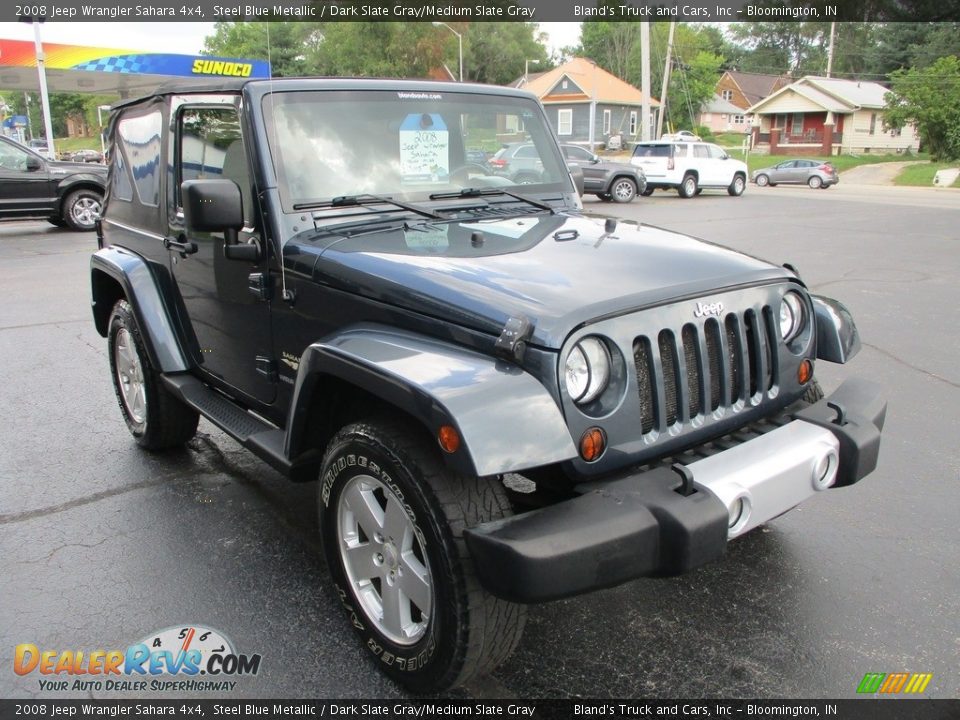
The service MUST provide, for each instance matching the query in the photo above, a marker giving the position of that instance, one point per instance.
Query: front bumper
(669, 520)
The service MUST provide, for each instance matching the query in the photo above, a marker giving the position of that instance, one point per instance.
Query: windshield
(330, 144)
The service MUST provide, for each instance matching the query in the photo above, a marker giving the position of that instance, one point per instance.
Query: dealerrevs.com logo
(187, 658)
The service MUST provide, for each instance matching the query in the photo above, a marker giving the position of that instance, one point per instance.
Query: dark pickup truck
(503, 401)
(68, 194)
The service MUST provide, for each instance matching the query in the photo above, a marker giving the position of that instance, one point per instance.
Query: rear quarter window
(662, 151)
(139, 139)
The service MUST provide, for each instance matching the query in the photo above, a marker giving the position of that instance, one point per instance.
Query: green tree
(378, 49)
(287, 45)
(799, 48)
(615, 46)
(496, 52)
(693, 83)
(929, 98)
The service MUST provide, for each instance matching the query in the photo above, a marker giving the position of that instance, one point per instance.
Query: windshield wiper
(476, 192)
(366, 200)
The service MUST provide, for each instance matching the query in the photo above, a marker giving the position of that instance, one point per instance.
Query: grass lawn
(922, 175)
(62, 145)
(729, 140)
(840, 162)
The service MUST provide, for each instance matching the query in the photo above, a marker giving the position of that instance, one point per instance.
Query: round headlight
(791, 316)
(587, 370)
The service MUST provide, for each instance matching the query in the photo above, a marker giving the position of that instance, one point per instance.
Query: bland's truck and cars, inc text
(505, 401)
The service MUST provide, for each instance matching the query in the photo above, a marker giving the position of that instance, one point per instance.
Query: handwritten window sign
(424, 149)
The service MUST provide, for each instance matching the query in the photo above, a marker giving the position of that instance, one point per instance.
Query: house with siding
(722, 116)
(744, 89)
(818, 115)
(579, 90)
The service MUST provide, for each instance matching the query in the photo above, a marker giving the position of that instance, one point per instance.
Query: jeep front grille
(705, 367)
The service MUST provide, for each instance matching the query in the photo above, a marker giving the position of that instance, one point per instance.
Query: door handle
(181, 245)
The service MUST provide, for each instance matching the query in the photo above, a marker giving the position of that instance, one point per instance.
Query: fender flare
(507, 420)
(80, 180)
(837, 337)
(139, 286)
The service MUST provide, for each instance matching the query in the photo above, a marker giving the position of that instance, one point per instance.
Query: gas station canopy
(113, 71)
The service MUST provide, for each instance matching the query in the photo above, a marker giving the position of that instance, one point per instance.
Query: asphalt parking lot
(101, 543)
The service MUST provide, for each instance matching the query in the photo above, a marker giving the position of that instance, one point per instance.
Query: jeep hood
(559, 271)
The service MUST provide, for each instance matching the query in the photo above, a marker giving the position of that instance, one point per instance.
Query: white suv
(689, 167)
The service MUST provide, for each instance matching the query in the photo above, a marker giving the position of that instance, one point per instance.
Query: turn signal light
(449, 438)
(805, 371)
(592, 444)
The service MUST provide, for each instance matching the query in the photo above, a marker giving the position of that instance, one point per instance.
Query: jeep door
(230, 322)
(25, 184)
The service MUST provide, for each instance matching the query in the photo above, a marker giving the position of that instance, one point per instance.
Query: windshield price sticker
(424, 149)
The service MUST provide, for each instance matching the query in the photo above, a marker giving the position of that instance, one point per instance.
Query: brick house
(826, 116)
(744, 89)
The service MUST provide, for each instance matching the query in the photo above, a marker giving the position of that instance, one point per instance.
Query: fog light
(592, 444)
(736, 511)
(739, 515)
(805, 371)
(449, 438)
(824, 471)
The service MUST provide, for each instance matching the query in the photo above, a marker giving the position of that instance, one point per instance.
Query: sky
(187, 37)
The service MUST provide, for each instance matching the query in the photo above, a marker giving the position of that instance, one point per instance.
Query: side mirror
(576, 174)
(595, 159)
(33, 163)
(217, 206)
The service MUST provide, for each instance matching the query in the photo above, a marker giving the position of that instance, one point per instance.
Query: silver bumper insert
(767, 476)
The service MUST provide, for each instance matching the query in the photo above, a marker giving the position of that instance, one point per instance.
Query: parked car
(815, 173)
(681, 135)
(518, 161)
(39, 146)
(317, 268)
(65, 193)
(608, 180)
(689, 167)
(480, 157)
(87, 156)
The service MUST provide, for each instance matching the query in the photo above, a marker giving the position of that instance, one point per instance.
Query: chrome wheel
(384, 560)
(624, 191)
(85, 211)
(130, 376)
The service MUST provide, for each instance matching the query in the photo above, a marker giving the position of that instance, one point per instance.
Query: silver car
(815, 173)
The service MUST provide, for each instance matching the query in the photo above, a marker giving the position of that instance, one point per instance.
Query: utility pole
(645, 80)
(44, 96)
(833, 27)
(666, 81)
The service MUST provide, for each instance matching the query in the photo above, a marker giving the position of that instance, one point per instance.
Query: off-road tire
(166, 422)
(469, 632)
(688, 186)
(813, 393)
(78, 209)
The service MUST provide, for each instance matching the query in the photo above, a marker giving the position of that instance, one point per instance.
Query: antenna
(287, 295)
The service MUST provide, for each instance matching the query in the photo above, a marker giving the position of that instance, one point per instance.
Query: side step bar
(263, 439)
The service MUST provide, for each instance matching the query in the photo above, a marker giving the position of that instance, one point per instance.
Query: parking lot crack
(903, 362)
(11, 518)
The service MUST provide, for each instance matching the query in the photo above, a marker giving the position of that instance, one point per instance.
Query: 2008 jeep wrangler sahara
(316, 268)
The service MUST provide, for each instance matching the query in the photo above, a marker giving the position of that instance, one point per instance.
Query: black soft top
(235, 85)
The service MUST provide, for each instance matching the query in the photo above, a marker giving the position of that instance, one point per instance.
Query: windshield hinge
(512, 342)
(259, 285)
